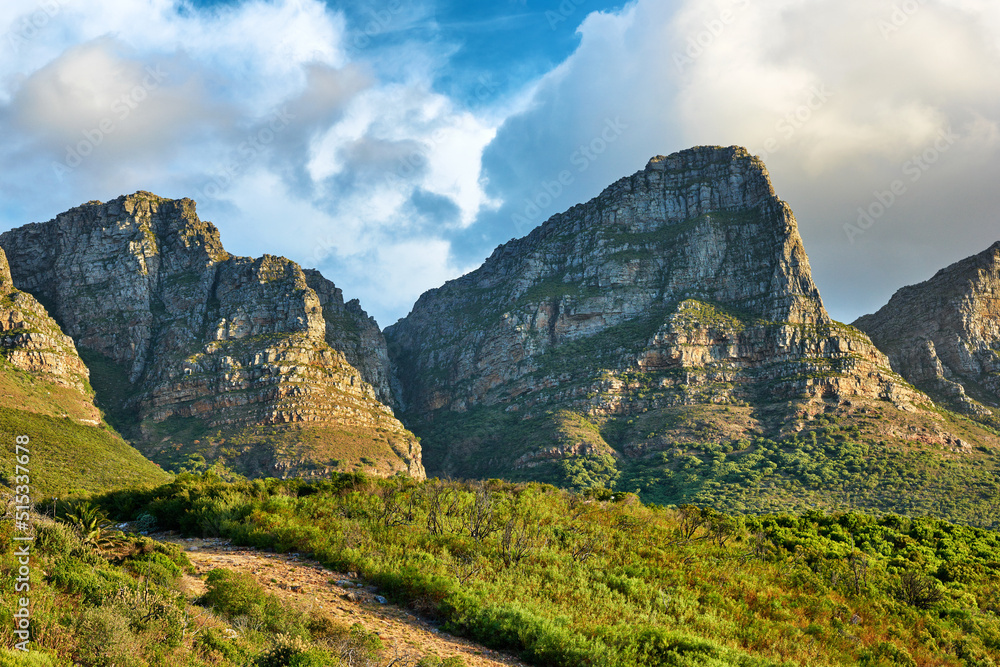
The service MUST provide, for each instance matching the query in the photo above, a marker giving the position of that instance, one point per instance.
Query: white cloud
(836, 95)
(295, 141)
(259, 112)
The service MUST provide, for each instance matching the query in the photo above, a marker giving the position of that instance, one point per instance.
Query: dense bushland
(600, 579)
(679, 456)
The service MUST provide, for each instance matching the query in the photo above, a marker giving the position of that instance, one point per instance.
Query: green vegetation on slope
(599, 579)
(119, 601)
(66, 456)
(70, 458)
(686, 454)
(298, 449)
(112, 390)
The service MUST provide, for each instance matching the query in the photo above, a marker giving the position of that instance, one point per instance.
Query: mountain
(943, 335)
(45, 395)
(193, 351)
(667, 326)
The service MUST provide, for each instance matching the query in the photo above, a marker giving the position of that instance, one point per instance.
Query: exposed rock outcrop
(256, 352)
(943, 335)
(32, 341)
(683, 284)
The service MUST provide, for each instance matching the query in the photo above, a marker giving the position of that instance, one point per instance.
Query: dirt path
(340, 595)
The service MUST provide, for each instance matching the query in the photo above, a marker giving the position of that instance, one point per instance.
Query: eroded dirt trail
(342, 596)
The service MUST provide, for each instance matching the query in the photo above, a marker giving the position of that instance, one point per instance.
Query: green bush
(886, 653)
(32, 658)
(104, 639)
(211, 641)
(289, 651)
(145, 523)
(434, 661)
(55, 539)
(237, 594)
(157, 568)
(96, 585)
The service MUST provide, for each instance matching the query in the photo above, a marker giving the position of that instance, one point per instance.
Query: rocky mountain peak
(200, 336)
(684, 283)
(733, 177)
(712, 210)
(943, 335)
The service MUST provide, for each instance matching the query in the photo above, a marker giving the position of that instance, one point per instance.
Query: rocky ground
(341, 595)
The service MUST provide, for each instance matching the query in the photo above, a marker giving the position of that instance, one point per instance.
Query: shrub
(157, 616)
(33, 658)
(55, 539)
(886, 653)
(212, 641)
(918, 591)
(145, 523)
(323, 627)
(236, 594)
(434, 661)
(294, 652)
(157, 568)
(104, 639)
(95, 584)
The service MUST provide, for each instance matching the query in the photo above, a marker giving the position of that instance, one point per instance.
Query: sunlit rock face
(259, 353)
(685, 283)
(943, 335)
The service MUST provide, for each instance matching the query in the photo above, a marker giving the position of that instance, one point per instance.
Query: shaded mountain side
(943, 335)
(46, 397)
(196, 351)
(674, 310)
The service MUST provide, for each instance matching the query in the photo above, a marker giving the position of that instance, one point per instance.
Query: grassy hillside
(67, 455)
(600, 579)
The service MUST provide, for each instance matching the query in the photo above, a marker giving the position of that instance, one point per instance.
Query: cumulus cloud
(269, 113)
(336, 138)
(838, 96)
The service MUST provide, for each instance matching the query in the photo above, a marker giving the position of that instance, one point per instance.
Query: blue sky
(394, 144)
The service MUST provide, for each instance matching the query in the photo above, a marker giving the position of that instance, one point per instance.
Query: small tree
(481, 517)
(518, 540)
(442, 506)
(918, 590)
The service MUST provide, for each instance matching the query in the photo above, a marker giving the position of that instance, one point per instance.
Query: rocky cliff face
(943, 335)
(683, 284)
(32, 341)
(243, 359)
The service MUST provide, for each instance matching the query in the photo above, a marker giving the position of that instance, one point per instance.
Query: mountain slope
(196, 351)
(671, 319)
(45, 395)
(943, 335)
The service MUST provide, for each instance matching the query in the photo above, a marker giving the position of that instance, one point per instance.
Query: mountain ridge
(670, 322)
(944, 334)
(228, 357)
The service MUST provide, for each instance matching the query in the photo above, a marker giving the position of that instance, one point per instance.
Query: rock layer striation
(30, 340)
(251, 360)
(684, 284)
(943, 335)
